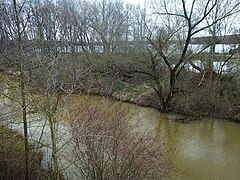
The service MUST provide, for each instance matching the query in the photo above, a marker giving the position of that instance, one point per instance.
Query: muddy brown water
(206, 148)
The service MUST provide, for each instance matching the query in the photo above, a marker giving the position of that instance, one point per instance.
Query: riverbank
(12, 155)
(138, 90)
(189, 99)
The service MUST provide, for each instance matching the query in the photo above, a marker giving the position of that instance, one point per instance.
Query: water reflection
(202, 149)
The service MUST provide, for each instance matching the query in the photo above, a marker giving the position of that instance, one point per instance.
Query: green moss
(145, 78)
(118, 86)
(137, 90)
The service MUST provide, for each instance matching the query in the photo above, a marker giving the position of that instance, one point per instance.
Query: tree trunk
(54, 148)
(171, 90)
(25, 126)
(22, 89)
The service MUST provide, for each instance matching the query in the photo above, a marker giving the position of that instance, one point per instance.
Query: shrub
(109, 146)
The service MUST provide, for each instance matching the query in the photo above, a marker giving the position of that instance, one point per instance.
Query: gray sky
(136, 2)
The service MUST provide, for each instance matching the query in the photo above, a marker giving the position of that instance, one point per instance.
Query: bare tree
(180, 22)
(16, 17)
(107, 146)
(108, 21)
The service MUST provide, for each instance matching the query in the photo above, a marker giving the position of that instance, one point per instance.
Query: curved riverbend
(202, 149)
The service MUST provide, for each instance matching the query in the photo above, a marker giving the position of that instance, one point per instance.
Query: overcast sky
(136, 2)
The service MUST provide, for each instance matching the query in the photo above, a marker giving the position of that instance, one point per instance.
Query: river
(205, 148)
